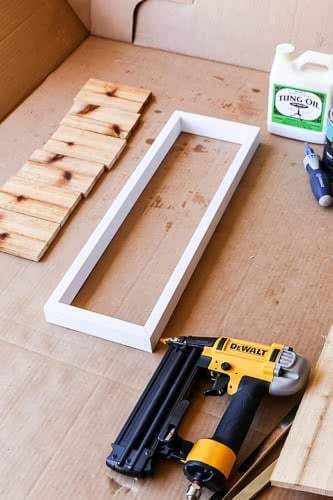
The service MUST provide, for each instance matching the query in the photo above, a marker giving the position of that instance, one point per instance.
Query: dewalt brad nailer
(245, 370)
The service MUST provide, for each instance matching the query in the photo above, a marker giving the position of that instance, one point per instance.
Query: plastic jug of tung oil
(300, 94)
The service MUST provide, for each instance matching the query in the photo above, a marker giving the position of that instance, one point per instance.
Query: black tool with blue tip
(319, 179)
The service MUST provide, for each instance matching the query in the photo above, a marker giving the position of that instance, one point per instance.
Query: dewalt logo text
(249, 349)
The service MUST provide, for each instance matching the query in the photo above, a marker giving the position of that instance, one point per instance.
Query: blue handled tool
(319, 180)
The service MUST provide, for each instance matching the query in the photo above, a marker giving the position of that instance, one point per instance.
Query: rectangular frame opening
(59, 309)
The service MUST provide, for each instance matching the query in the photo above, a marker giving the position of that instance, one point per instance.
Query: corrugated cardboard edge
(114, 18)
(34, 47)
(82, 9)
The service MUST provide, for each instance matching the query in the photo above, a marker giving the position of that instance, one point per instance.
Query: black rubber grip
(237, 418)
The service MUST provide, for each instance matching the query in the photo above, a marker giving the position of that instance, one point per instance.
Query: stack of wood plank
(36, 202)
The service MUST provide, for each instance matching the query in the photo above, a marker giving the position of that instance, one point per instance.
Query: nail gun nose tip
(193, 491)
(325, 201)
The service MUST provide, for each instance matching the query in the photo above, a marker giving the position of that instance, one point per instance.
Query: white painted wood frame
(58, 309)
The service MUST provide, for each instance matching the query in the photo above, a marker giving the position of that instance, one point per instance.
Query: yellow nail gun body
(245, 370)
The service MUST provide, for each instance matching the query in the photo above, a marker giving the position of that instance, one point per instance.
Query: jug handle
(310, 56)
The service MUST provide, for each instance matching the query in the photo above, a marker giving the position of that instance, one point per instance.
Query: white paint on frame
(58, 308)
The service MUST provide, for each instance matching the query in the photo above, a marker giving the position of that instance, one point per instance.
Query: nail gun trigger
(219, 386)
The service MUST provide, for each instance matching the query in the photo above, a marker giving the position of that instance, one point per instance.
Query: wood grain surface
(85, 168)
(48, 197)
(266, 276)
(306, 461)
(25, 205)
(101, 119)
(83, 174)
(117, 96)
(24, 235)
(89, 140)
(86, 145)
(127, 92)
(257, 485)
(50, 176)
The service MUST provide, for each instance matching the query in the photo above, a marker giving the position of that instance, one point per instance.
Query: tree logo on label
(298, 103)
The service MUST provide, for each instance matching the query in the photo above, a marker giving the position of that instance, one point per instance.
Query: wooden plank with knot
(113, 95)
(64, 172)
(49, 185)
(45, 202)
(87, 168)
(24, 235)
(101, 119)
(85, 145)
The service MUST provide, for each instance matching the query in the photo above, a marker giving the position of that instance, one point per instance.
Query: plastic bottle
(300, 94)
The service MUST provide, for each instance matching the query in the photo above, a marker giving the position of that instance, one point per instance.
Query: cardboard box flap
(243, 33)
(82, 9)
(35, 37)
(114, 18)
(218, 30)
(14, 13)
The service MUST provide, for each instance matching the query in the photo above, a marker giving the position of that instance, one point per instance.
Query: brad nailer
(247, 371)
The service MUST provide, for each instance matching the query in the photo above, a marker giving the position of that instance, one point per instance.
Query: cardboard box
(220, 30)
(35, 37)
(82, 8)
(265, 276)
(46, 32)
